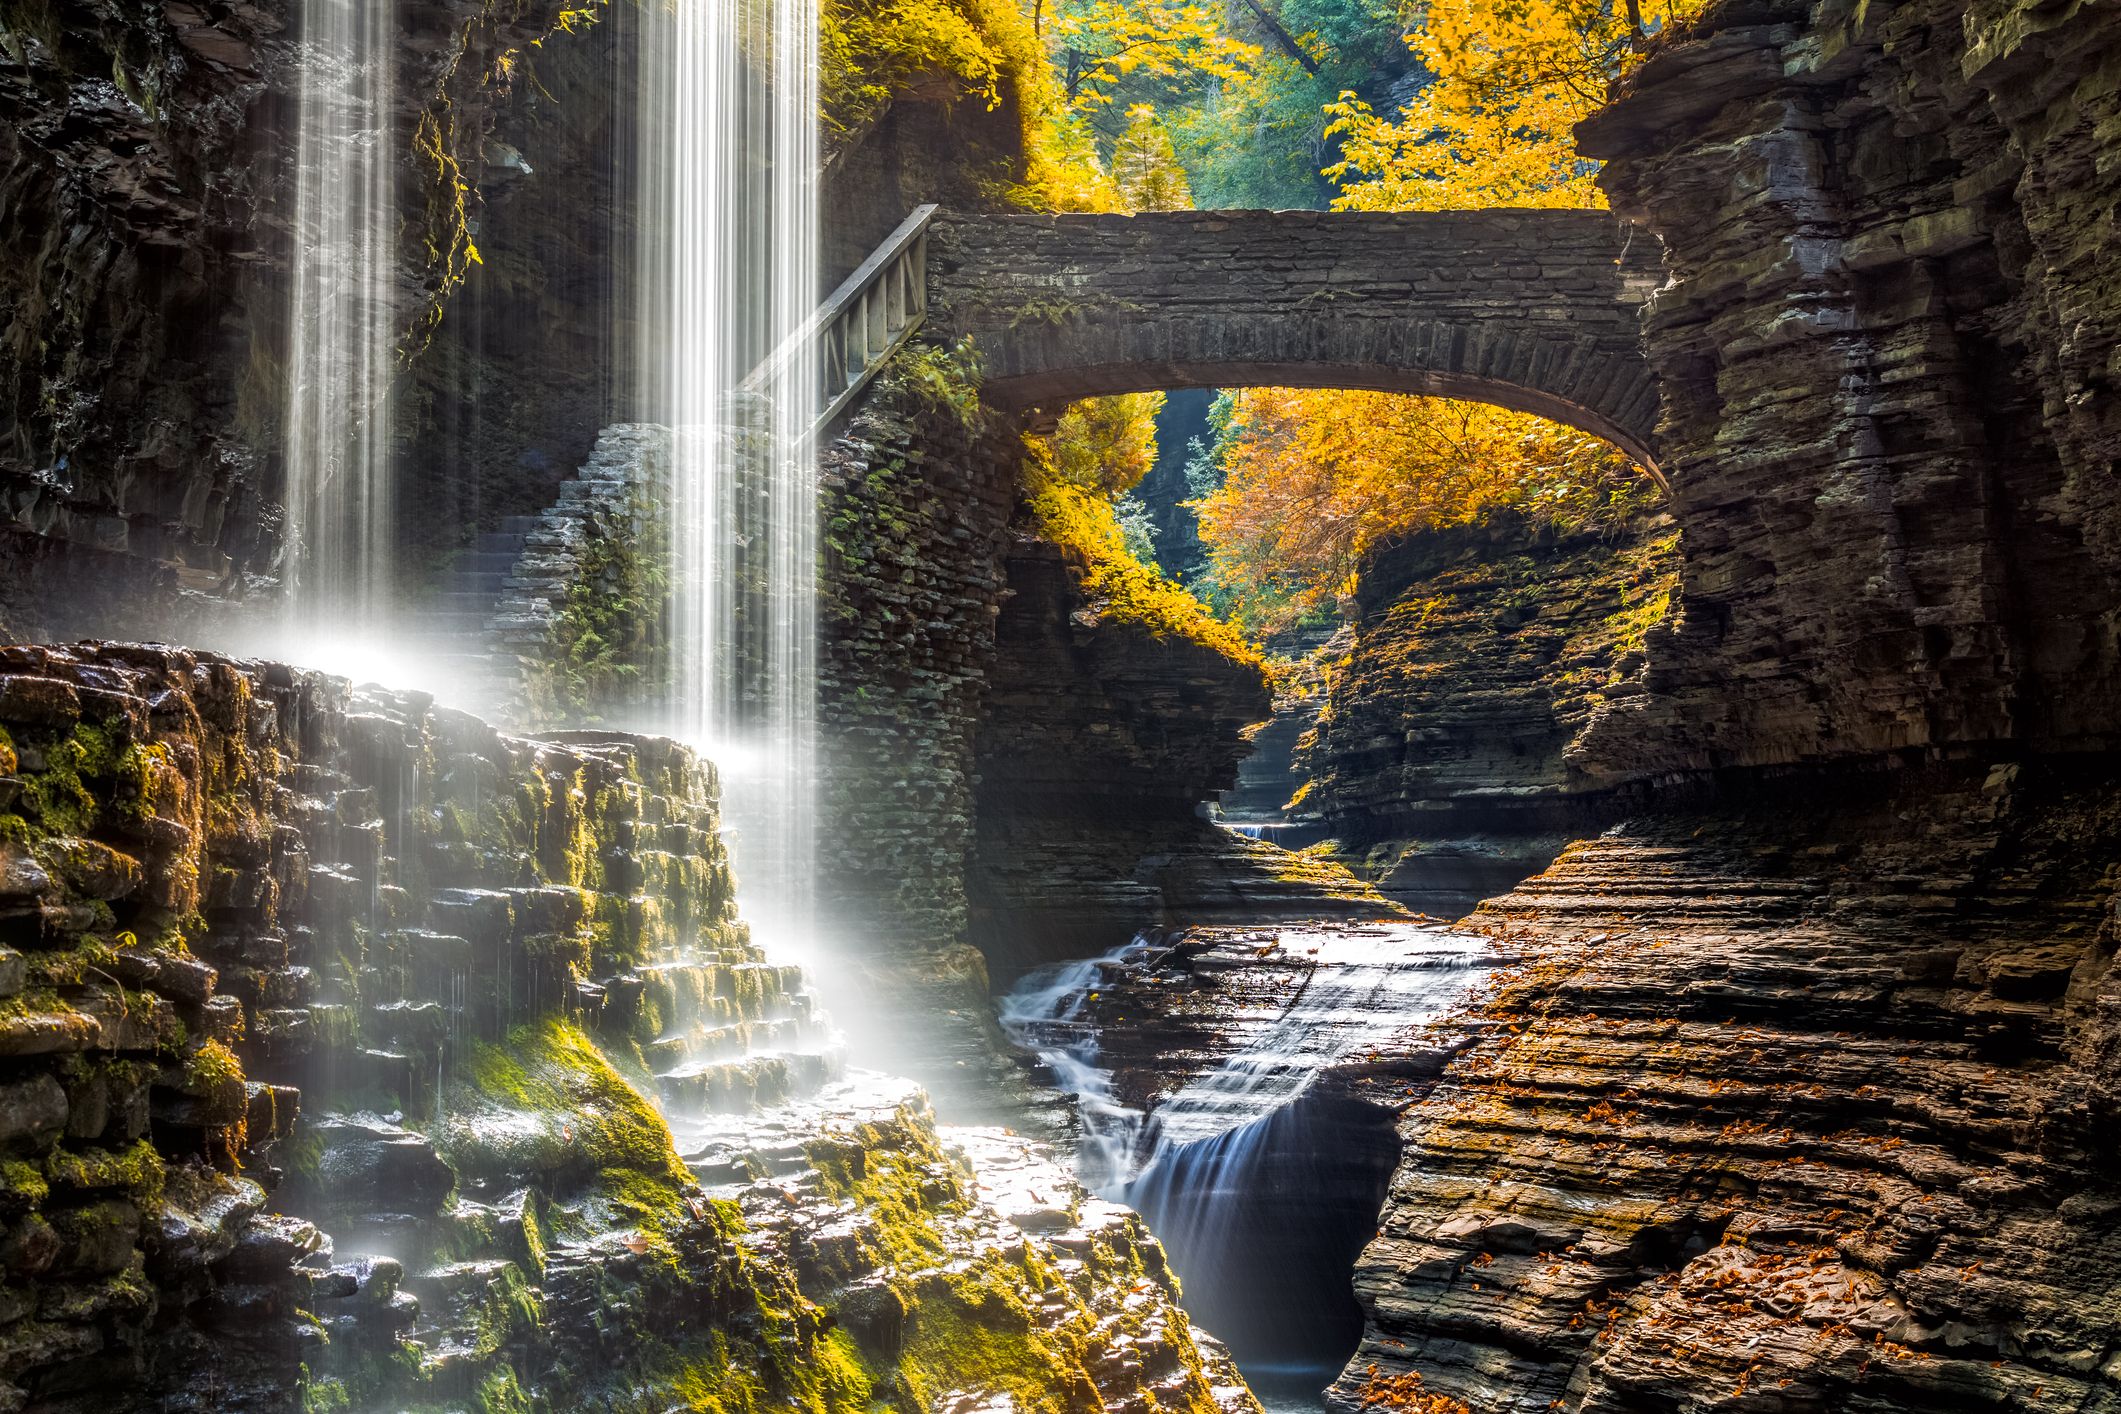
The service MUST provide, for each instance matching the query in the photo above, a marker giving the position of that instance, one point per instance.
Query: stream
(1257, 1175)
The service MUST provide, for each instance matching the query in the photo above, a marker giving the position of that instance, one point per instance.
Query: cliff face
(1100, 740)
(132, 189)
(1885, 360)
(1798, 1106)
(147, 180)
(1440, 759)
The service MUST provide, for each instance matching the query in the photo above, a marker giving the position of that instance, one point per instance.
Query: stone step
(486, 582)
(453, 623)
(462, 601)
(486, 561)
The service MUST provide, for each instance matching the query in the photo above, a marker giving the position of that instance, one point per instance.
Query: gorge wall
(148, 179)
(1885, 354)
(1101, 738)
(1439, 760)
(1797, 1101)
(1793, 1105)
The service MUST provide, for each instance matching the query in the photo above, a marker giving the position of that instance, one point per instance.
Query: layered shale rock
(1253, 1076)
(1889, 420)
(295, 979)
(1102, 737)
(147, 186)
(1439, 761)
(1790, 1108)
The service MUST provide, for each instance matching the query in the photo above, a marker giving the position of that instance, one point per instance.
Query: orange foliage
(1403, 1394)
(1314, 479)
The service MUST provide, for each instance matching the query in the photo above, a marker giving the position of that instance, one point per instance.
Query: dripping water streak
(339, 509)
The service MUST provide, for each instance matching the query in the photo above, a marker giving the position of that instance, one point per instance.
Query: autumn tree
(1263, 142)
(1494, 126)
(1146, 168)
(1107, 445)
(1102, 45)
(1310, 481)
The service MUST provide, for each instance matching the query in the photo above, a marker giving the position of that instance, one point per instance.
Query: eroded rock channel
(1239, 1087)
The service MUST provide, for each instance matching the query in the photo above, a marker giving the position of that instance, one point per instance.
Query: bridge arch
(1538, 311)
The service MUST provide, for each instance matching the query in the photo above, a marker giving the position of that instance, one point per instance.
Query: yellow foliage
(1145, 165)
(1101, 44)
(1495, 126)
(1120, 587)
(1314, 479)
(872, 52)
(1106, 445)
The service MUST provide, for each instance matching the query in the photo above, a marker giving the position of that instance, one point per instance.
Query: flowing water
(1262, 1184)
(729, 263)
(342, 357)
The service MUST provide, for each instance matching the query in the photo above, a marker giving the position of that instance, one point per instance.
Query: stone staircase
(452, 627)
(492, 616)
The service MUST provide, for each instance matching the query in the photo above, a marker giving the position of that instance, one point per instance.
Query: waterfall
(342, 354)
(729, 264)
(1262, 1184)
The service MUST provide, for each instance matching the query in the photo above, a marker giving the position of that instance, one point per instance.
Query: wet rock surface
(917, 500)
(1239, 1087)
(1786, 1108)
(1185, 1001)
(146, 175)
(342, 1042)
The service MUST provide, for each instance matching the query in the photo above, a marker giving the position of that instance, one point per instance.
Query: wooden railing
(859, 326)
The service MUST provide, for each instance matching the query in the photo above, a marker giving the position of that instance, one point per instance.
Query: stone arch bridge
(1527, 309)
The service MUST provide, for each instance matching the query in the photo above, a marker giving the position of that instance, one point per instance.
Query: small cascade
(342, 358)
(1257, 1177)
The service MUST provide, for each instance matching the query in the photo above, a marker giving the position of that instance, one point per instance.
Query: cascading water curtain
(342, 351)
(729, 260)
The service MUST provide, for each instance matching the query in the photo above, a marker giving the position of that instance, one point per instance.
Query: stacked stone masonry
(1535, 310)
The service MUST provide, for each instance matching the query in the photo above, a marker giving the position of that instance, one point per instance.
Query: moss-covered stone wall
(355, 1055)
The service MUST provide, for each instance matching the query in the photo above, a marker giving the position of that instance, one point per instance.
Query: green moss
(91, 777)
(136, 1170)
(548, 1104)
(981, 1338)
(499, 1393)
(611, 636)
(323, 1394)
(512, 1310)
(22, 1185)
(212, 1066)
(88, 960)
